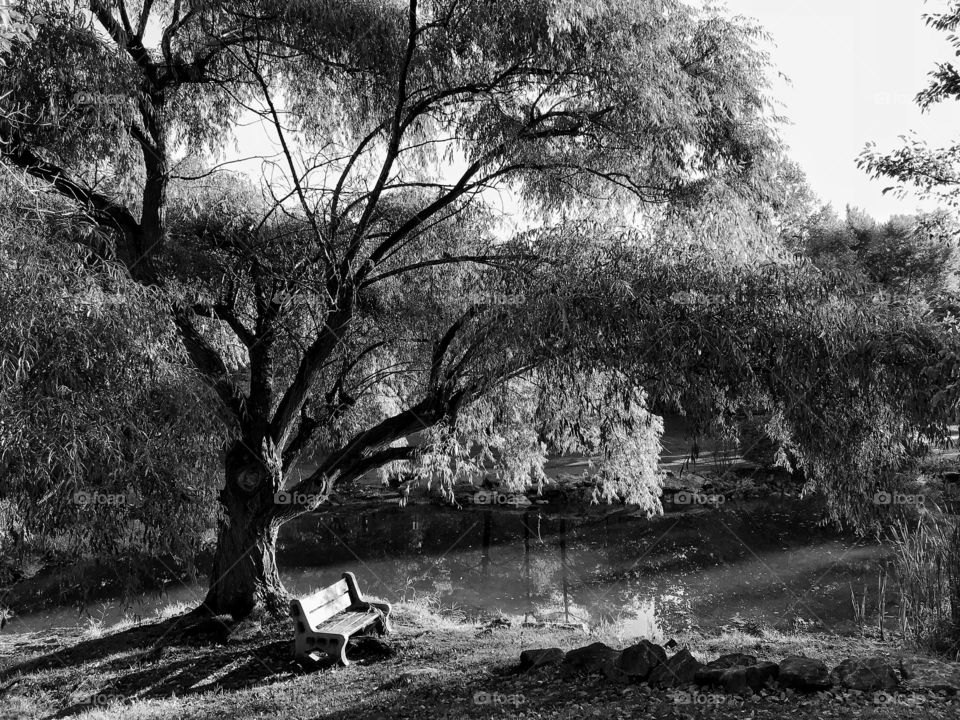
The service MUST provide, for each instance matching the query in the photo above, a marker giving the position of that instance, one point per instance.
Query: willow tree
(357, 286)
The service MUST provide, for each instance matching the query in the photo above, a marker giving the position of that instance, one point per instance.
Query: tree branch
(104, 211)
(210, 365)
(313, 359)
(491, 260)
(144, 18)
(221, 311)
(294, 176)
(304, 502)
(393, 146)
(440, 351)
(362, 449)
(132, 44)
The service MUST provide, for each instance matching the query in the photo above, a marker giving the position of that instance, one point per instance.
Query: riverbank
(696, 564)
(432, 666)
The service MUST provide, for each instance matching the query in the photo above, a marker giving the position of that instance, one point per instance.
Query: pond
(758, 561)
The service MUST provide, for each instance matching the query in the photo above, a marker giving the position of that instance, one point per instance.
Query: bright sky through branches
(854, 66)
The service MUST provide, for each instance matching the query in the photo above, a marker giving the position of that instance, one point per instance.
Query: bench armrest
(383, 608)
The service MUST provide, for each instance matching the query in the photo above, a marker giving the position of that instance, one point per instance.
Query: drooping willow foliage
(105, 435)
(849, 377)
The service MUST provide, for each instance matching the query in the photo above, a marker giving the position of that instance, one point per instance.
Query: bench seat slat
(347, 623)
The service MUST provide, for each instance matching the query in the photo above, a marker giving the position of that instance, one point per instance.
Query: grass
(928, 578)
(169, 670)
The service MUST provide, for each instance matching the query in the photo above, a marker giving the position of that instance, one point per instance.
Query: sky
(854, 68)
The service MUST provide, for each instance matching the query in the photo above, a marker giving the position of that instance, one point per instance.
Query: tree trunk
(244, 580)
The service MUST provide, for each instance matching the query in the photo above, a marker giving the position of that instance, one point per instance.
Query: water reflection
(764, 560)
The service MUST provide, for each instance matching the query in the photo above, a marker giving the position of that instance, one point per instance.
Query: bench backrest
(324, 604)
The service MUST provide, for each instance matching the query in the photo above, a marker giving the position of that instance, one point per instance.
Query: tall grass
(927, 561)
(860, 616)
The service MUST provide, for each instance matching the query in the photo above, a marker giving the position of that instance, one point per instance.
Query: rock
(739, 679)
(671, 483)
(640, 659)
(929, 674)
(540, 657)
(711, 673)
(734, 680)
(694, 482)
(615, 675)
(769, 670)
(803, 673)
(732, 660)
(590, 659)
(709, 676)
(866, 674)
(679, 670)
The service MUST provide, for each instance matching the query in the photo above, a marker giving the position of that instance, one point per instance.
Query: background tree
(906, 254)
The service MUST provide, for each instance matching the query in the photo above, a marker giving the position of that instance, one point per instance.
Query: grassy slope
(159, 671)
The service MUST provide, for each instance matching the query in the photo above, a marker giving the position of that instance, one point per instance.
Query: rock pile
(735, 673)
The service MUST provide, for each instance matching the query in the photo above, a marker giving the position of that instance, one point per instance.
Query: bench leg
(340, 651)
(335, 647)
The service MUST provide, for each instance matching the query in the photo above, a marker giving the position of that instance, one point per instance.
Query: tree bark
(244, 579)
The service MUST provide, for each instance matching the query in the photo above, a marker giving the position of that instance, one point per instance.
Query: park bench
(325, 620)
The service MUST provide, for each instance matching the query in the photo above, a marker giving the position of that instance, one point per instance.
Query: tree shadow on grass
(181, 656)
(94, 649)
